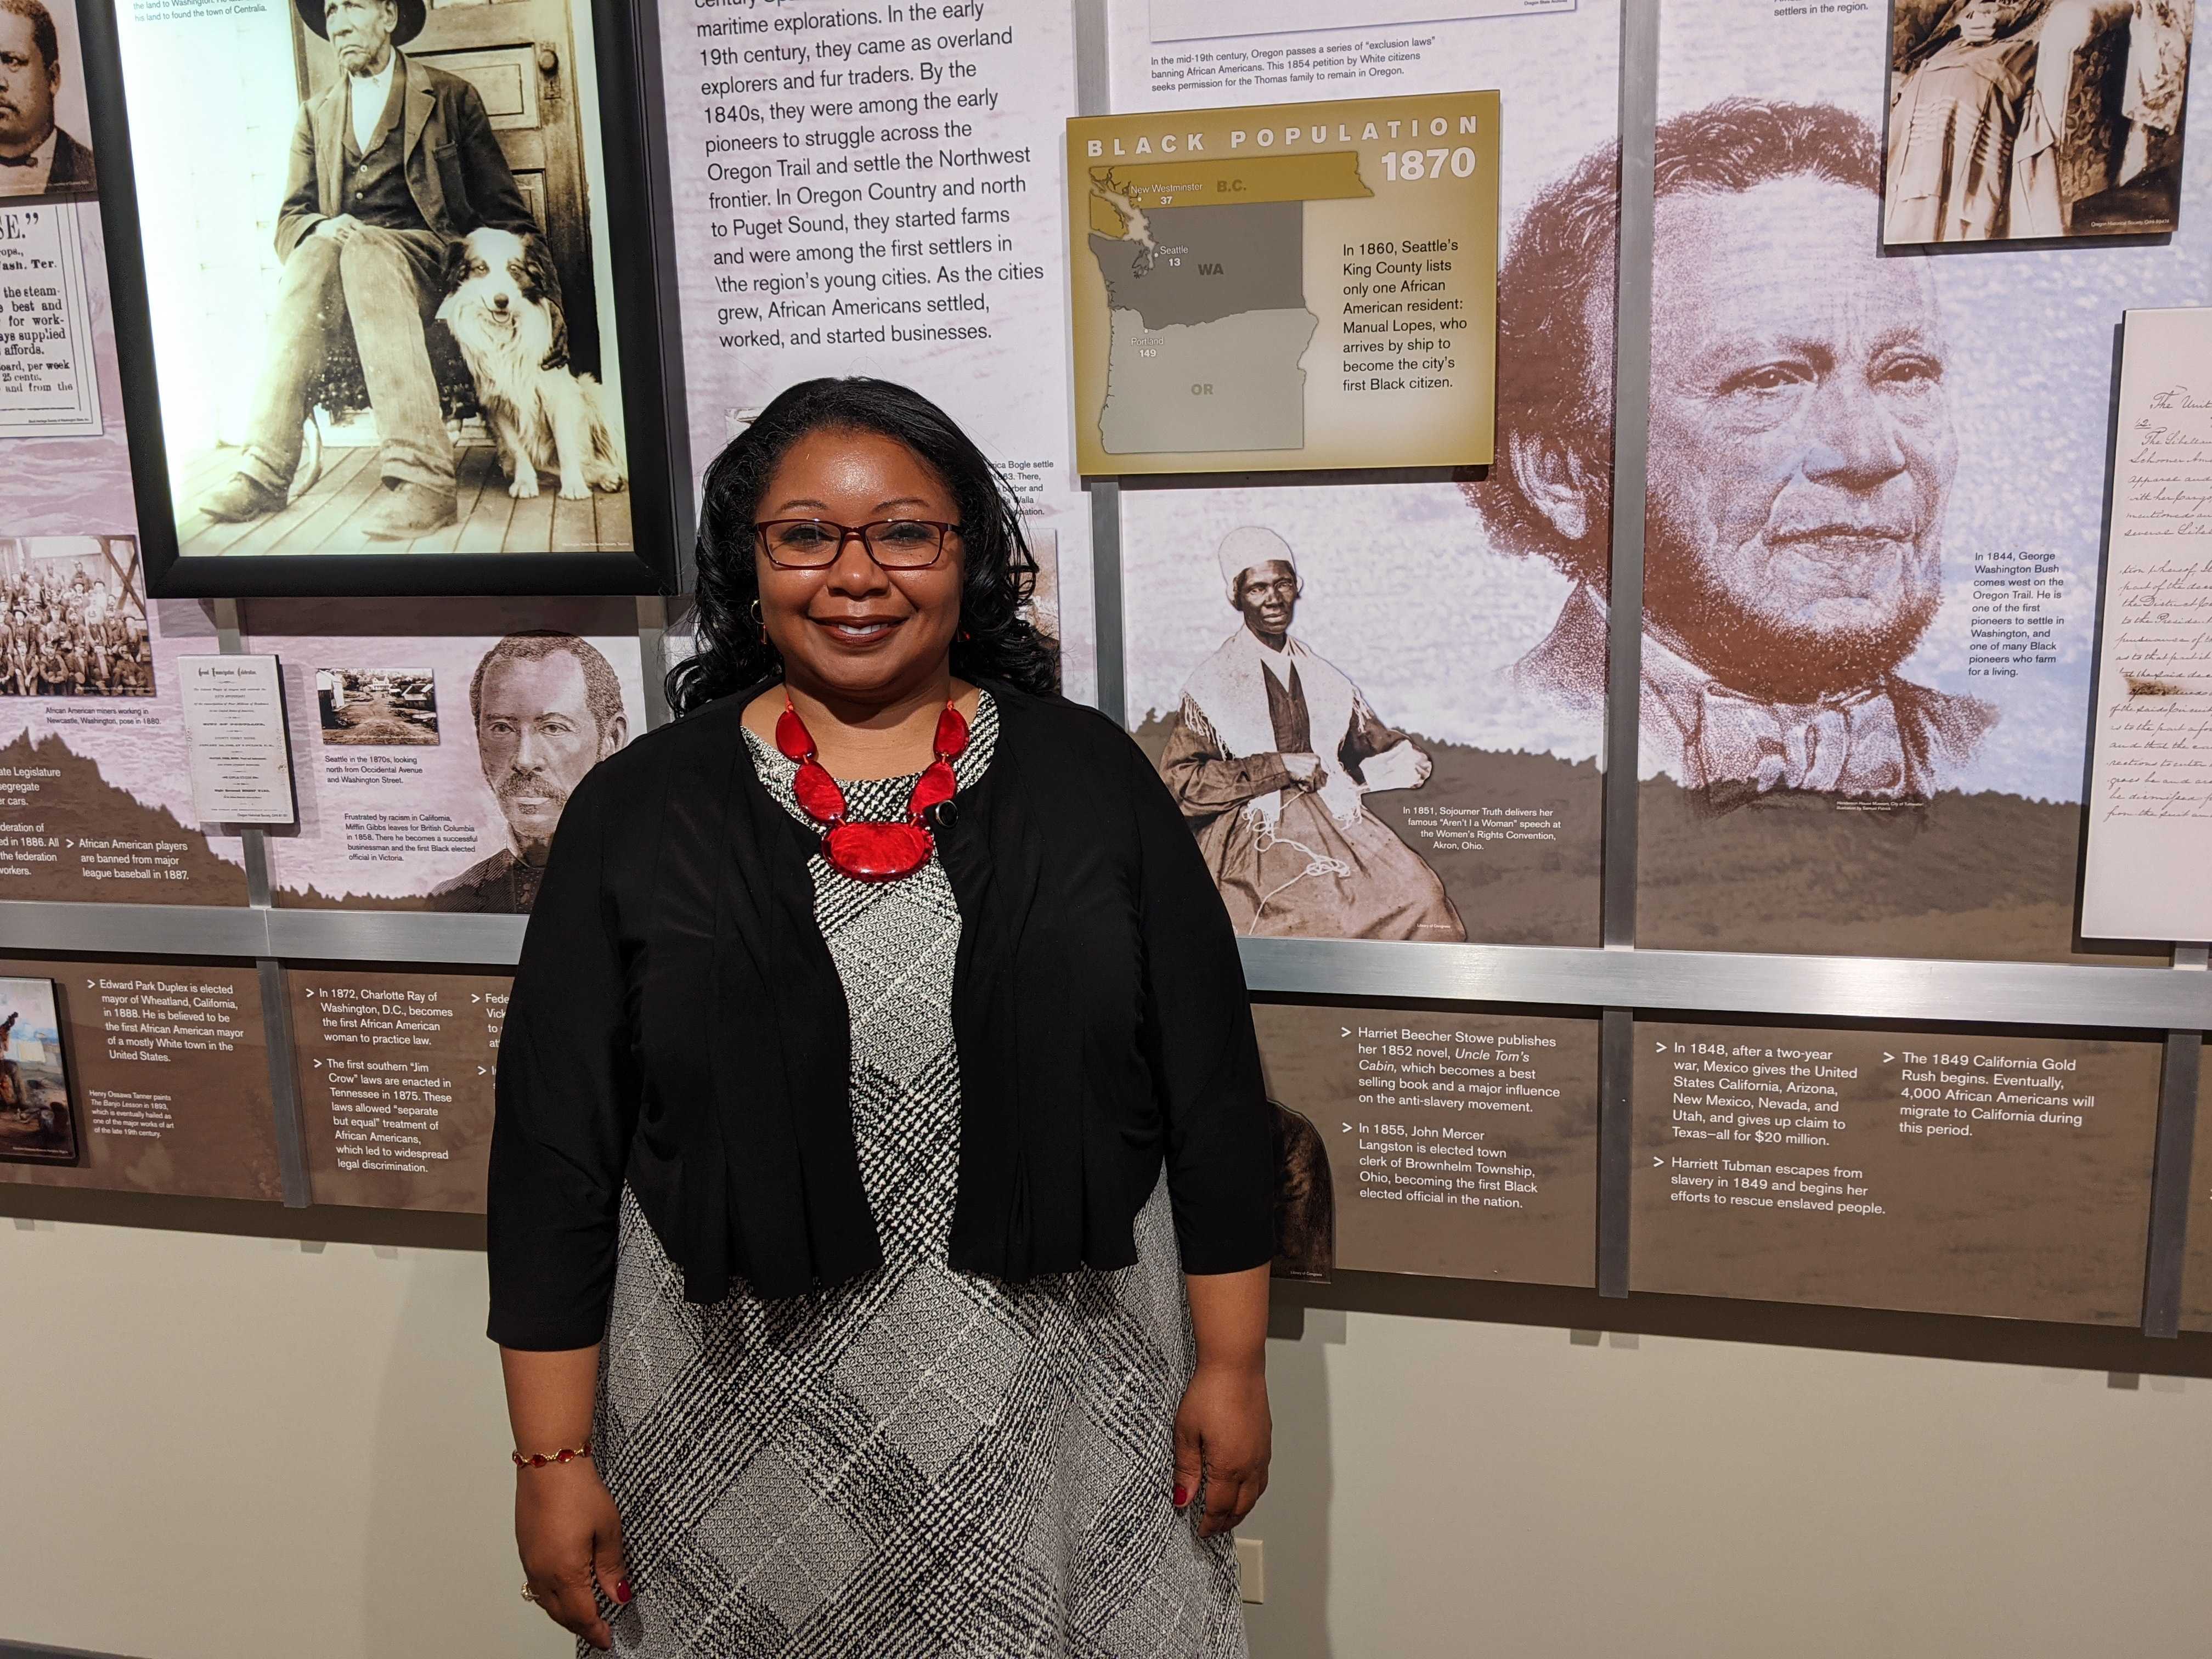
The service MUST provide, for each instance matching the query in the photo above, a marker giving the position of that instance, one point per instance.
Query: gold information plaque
(1286, 287)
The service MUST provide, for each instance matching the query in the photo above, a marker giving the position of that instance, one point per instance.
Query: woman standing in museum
(882, 1182)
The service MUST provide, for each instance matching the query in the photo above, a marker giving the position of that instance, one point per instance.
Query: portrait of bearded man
(547, 708)
(1802, 458)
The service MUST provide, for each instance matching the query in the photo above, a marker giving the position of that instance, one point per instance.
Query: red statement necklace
(871, 852)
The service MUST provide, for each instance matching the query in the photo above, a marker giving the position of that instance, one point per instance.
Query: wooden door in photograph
(520, 57)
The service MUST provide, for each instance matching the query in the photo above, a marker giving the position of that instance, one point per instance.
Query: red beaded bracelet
(539, 1459)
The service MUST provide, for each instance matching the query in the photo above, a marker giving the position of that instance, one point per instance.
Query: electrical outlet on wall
(1252, 1568)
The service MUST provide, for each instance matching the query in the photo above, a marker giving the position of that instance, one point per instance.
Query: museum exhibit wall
(1712, 1171)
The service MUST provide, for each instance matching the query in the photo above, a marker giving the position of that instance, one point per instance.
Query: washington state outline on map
(1207, 317)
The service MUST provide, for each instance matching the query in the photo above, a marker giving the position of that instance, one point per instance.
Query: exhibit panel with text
(144, 1077)
(1344, 682)
(395, 1075)
(2197, 1265)
(49, 377)
(432, 764)
(864, 192)
(1877, 479)
(1323, 299)
(1992, 1174)
(96, 786)
(2150, 780)
(1286, 287)
(1457, 1144)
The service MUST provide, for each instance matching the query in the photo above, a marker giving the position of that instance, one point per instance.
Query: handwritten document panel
(2149, 865)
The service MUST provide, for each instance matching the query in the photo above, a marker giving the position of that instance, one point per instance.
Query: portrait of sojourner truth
(421, 359)
(1271, 754)
(1801, 459)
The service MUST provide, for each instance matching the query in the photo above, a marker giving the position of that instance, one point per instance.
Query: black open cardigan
(677, 1023)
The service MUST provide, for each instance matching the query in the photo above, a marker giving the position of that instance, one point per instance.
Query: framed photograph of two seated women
(383, 287)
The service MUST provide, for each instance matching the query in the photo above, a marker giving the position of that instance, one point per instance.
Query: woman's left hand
(1223, 1433)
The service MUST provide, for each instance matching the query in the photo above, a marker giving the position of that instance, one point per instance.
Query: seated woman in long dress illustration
(1271, 756)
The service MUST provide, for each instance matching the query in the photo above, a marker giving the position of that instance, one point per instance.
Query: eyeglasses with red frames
(893, 544)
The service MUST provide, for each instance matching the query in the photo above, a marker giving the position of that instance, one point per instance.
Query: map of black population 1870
(1206, 304)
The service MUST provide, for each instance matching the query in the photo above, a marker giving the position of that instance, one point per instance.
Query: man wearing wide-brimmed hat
(391, 164)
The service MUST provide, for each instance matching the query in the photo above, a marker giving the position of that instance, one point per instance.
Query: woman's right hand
(569, 1535)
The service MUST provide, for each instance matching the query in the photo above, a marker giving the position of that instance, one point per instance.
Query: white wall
(1505, 1490)
(220, 1446)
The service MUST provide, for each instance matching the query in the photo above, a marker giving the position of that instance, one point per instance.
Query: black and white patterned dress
(919, 1462)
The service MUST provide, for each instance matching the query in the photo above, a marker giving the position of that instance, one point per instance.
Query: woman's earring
(760, 622)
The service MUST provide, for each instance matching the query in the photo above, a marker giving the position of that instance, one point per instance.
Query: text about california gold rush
(1782, 1124)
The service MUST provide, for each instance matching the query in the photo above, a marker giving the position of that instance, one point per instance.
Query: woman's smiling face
(851, 630)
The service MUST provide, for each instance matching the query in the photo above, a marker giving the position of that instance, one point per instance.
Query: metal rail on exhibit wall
(1909, 989)
(1612, 980)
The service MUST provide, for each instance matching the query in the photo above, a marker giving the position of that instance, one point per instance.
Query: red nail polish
(1181, 1498)
(622, 1589)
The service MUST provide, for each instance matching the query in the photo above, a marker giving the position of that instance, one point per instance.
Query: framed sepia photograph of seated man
(383, 294)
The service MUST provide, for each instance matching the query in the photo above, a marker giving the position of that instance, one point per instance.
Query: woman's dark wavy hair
(999, 641)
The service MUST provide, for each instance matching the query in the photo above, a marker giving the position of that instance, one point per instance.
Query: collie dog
(503, 305)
